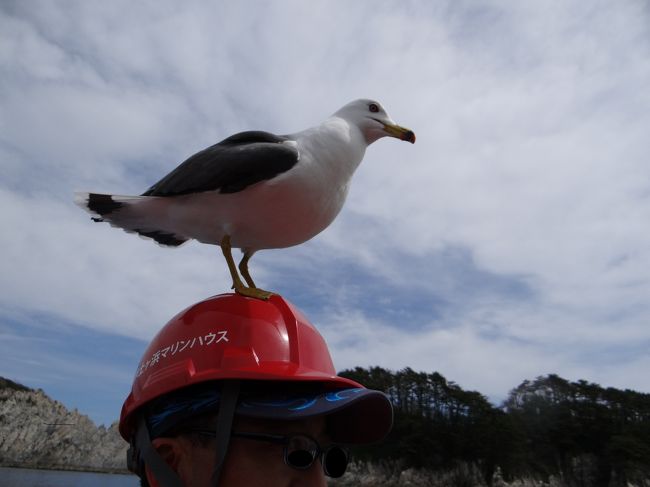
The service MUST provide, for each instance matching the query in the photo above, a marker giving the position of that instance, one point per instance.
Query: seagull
(254, 190)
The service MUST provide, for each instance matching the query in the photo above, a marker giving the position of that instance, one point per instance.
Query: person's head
(238, 391)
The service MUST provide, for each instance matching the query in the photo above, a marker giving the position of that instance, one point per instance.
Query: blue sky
(510, 241)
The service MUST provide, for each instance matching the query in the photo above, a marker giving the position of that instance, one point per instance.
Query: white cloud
(511, 240)
(56, 261)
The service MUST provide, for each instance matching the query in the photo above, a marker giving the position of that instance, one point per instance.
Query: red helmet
(231, 337)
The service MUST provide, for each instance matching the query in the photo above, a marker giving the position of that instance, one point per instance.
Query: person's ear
(171, 451)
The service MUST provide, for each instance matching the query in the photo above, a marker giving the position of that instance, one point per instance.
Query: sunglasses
(300, 451)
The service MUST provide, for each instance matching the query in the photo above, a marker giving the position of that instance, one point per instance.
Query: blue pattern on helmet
(291, 404)
(302, 403)
(342, 394)
(307, 403)
(198, 402)
(193, 403)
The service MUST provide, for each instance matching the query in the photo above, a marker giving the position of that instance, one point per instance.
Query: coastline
(65, 468)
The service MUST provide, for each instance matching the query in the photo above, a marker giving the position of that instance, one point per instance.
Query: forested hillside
(577, 431)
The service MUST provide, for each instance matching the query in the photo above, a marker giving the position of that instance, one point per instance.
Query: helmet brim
(354, 415)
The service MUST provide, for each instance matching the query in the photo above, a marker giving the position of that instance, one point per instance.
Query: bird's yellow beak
(398, 132)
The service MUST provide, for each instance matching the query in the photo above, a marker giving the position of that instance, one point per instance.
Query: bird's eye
(373, 107)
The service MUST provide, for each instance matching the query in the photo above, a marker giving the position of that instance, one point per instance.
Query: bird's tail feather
(144, 215)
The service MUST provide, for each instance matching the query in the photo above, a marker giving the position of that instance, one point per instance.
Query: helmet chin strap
(227, 405)
(142, 449)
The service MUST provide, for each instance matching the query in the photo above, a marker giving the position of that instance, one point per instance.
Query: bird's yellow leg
(237, 285)
(227, 253)
(243, 268)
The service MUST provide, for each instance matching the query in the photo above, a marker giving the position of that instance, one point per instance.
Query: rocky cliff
(37, 431)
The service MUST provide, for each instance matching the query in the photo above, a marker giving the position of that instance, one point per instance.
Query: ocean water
(23, 477)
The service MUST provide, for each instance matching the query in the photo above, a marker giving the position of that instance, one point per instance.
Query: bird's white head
(373, 121)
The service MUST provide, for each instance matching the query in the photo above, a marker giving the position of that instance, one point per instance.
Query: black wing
(230, 166)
